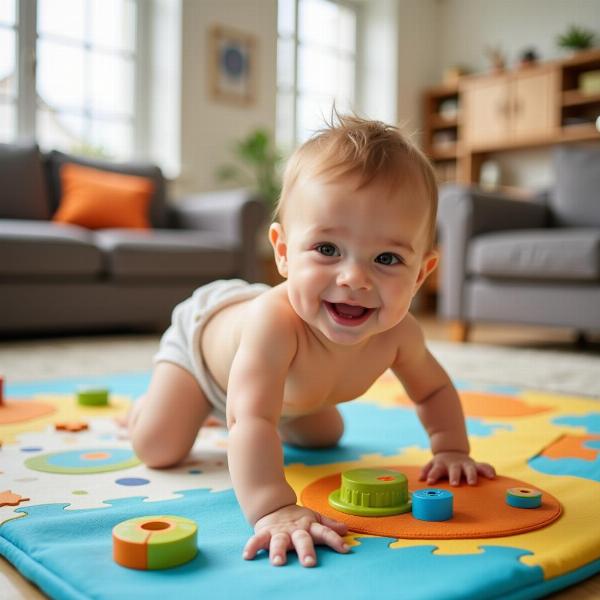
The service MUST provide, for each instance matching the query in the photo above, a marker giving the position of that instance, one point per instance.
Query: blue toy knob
(432, 504)
(522, 497)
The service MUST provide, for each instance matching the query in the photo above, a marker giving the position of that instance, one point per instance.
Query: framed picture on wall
(232, 72)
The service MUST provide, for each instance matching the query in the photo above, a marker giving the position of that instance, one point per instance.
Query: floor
(27, 358)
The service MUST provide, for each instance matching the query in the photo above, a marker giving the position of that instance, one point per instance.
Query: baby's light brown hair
(371, 150)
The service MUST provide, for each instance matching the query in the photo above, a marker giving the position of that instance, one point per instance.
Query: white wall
(418, 55)
(209, 127)
(466, 27)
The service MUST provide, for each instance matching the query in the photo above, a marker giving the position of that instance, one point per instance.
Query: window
(316, 65)
(8, 70)
(85, 77)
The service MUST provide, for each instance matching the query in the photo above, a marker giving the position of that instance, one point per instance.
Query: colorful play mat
(64, 488)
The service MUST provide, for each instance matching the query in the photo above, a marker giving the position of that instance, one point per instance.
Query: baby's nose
(354, 276)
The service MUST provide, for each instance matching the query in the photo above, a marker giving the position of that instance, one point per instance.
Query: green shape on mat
(92, 396)
(174, 546)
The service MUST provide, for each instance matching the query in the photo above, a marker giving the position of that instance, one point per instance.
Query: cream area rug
(547, 370)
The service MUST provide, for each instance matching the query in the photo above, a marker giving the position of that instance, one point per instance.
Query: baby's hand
(454, 464)
(295, 527)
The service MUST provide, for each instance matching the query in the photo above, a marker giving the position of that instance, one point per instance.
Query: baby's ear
(277, 239)
(428, 264)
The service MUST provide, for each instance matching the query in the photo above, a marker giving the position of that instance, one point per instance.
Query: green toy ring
(372, 493)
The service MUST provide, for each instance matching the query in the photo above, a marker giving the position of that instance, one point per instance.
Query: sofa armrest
(236, 214)
(464, 212)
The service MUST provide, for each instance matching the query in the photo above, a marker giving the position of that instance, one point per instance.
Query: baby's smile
(348, 314)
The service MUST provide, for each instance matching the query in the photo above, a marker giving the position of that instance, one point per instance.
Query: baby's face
(353, 258)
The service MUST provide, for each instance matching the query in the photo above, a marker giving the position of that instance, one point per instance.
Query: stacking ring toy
(432, 504)
(522, 497)
(92, 396)
(155, 542)
(371, 493)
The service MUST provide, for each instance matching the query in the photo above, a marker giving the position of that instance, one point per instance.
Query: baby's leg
(164, 426)
(318, 430)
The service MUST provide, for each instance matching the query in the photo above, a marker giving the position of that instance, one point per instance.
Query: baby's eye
(327, 249)
(388, 258)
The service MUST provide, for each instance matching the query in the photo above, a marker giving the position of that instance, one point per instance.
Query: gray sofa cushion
(576, 200)
(166, 253)
(22, 187)
(47, 249)
(550, 254)
(158, 204)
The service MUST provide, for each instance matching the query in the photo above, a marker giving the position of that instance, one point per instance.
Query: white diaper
(180, 344)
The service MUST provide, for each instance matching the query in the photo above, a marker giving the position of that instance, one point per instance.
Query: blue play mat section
(68, 553)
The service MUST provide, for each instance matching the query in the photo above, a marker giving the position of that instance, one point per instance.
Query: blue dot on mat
(132, 481)
(195, 471)
(31, 449)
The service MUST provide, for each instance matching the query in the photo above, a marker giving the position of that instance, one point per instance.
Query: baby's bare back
(320, 375)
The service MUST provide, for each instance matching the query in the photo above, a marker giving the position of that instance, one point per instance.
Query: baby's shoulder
(408, 336)
(271, 314)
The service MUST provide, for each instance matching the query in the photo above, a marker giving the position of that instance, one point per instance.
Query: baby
(353, 238)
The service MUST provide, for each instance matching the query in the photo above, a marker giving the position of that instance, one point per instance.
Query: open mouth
(348, 314)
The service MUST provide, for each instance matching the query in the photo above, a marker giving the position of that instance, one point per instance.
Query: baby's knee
(153, 450)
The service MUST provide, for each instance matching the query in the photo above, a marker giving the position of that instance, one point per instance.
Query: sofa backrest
(54, 160)
(576, 198)
(23, 193)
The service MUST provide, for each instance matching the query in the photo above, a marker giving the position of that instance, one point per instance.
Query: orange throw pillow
(98, 199)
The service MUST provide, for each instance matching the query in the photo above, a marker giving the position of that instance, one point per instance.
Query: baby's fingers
(486, 470)
(337, 526)
(303, 543)
(280, 544)
(425, 471)
(470, 473)
(325, 535)
(436, 472)
(257, 542)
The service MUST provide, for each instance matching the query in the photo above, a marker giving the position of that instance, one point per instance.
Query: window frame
(294, 38)
(26, 65)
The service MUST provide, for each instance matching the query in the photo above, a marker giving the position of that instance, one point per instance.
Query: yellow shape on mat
(67, 409)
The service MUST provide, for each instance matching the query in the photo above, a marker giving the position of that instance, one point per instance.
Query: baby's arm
(255, 394)
(439, 409)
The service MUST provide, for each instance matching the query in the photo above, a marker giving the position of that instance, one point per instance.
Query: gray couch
(63, 278)
(516, 261)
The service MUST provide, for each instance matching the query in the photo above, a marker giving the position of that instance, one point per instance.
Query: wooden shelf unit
(535, 106)
(441, 132)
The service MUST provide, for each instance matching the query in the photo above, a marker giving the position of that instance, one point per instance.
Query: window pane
(285, 62)
(346, 69)
(8, 122)
(8, 72)
(285, 121)
(8, 12)
(111, 85)
(285, 17)
(62, 131)
(317, 21)
(347, 30)
(60, 75)
(62, 17)
(317, 72)
(313, 112)
(113, 138)
(113, 24)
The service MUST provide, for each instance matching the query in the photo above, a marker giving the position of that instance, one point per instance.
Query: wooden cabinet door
(534, 108)
(485, 111)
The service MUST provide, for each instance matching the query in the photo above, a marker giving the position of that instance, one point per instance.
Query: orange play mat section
(479, 511)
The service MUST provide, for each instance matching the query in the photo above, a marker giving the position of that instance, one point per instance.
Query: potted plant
(576, 39)
(257, 166)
